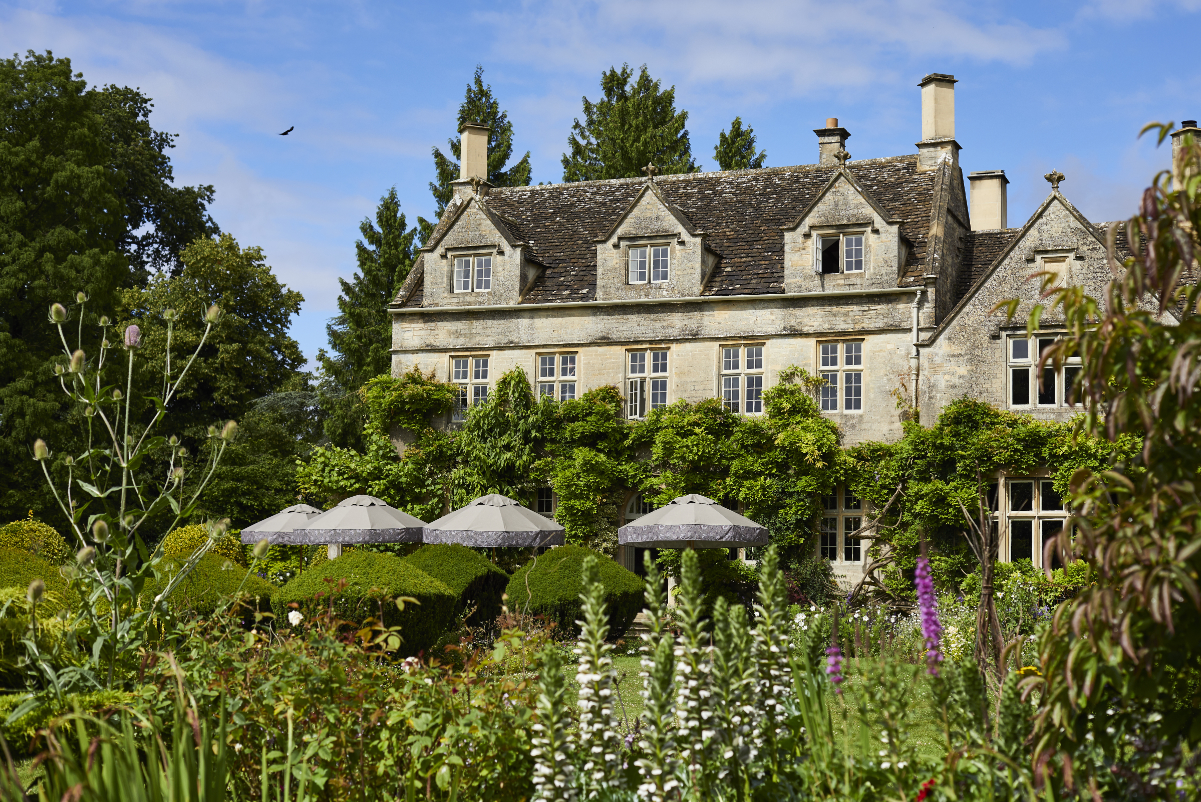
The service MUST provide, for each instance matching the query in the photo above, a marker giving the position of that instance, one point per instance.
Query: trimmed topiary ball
(477, 582)
(181, 543)
(374, 581)
(214, 580)
(18, 568)
(555, 584)
(37, 538)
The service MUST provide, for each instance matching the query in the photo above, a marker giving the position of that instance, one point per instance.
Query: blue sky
(371, 87)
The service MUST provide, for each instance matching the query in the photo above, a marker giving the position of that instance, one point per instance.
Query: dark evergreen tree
(628, 127)
(480, 107)
(360, 336)
(736, 150)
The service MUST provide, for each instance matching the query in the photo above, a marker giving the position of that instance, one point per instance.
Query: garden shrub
(37, 538)
(181, 543)
(19, 735)
(53, 627)
(373, 581)
(555, 582)
(477, 582)
(18, 568)
(209, 585)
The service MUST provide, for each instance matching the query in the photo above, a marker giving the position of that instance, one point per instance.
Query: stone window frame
(648, 389)
(473, 258)
(473, 391)
(1044, 518)
(1062, 377)
(862, 231)
(562, 384)
(842, 514)
(546, 501)
(739, 377)
(649, 266)
(846, 367)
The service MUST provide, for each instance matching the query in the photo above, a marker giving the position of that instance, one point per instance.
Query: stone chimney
(988, 200)
(938, 121)
(830, 140)
(473, 152)
(1186, 127)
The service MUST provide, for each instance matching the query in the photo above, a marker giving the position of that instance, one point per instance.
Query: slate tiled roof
(980, 250)
(742, 213)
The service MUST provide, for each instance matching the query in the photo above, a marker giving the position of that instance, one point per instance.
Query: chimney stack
(830, 140)
(938, 121)
(988, 200)
(1186, 127)
(473, 152)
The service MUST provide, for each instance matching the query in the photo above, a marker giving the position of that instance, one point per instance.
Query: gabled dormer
(843, 240)
(652, 251)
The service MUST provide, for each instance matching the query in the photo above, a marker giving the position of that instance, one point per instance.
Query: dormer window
(473, 274)
(651, 262)
(841, 253)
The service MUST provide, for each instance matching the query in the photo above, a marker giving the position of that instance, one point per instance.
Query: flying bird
(285, 133)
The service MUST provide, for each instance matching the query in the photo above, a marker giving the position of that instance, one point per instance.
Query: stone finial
(650, 170)
(1055, 177)
(475, 185)
(842, 156)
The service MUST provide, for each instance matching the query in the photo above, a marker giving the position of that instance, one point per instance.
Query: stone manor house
(877, 275)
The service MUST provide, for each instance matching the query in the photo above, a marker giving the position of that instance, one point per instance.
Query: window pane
(637, 265)
(635, 398)
(567, 391)
(460, 409)
(1044, 343)
(830, 392)
(637, 363)
(459, 370)
(1019, 387)
(729, 359)
(853, 387)
(729, 392)
(830, 502)
(546, 391)
(463, 274)
(567, 366)
(1048, 499)
(546, 367)
(1046, 390)
(829, 353)
(853, 355)
(658, 361)
(829, 254)
(659, 271)
(1070, 374)
(1019, 349)
(853, 256)
(546, 501)
(479, 394)
(658, 393)
(483, 273)
(851, 550)
(850, 501)
(754, 394)
(754, 357)
(1021, 537)
(480, 370)
(991, 497)
(1049, 530)
(829, 544)
(1021, 496)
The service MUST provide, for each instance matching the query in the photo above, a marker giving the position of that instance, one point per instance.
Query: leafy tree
(736, 150)
(361, 334)
(628, 127)
(481, 108)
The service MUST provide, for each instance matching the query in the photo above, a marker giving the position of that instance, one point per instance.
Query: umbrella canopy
(492, 521)
(295, 517)
(695, 522)
(358, 519)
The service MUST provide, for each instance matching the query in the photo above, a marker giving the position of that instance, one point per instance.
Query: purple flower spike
(133, 336)
(834, 667)
(928, 604)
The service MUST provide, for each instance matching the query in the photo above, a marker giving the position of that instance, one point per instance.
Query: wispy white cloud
(1125, 10)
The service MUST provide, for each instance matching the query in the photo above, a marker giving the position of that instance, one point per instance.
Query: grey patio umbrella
(282, 523)
(692, 522)
(494, 521)
(359, 519)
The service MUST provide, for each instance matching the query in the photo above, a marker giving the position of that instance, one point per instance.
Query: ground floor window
(1034, 514)
(842, 518)
(471, 375)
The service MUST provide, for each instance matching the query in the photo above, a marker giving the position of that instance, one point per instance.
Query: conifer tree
(480, 107)
(360, 336)
(628, 127)
(736, 150)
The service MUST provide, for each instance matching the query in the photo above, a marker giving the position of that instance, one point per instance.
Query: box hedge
(477, 582)
(182, 543)
(37, 538)
(555, 584)
(214, 579)
(374, 581)
(18, 568)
